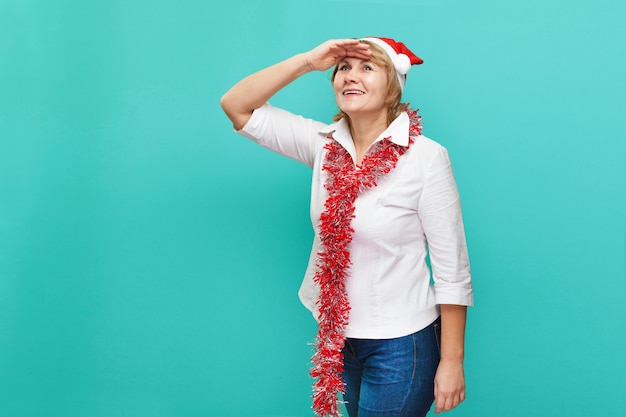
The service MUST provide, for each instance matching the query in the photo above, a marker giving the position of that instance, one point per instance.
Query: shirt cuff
(457, 295)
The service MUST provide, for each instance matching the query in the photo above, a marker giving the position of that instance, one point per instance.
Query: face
(361, 88)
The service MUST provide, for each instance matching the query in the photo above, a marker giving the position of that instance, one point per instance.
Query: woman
(383, 202)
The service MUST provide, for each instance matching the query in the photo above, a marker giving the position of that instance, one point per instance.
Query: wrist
(306, 62)
(455, 360)
(452, 354)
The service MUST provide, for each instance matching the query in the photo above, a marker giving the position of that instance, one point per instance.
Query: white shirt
(413, 212)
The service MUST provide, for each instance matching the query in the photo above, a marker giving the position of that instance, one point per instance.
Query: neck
(365, 131)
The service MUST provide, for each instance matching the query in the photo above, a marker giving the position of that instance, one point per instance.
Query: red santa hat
(400, 55)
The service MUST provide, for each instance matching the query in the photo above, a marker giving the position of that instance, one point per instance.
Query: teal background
(150, 257)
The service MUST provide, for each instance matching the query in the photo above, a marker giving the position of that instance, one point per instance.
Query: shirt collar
(397, 132)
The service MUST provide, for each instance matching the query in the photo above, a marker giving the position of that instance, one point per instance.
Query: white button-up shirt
(410, 219)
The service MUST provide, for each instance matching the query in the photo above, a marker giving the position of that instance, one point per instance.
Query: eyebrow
(345, 59)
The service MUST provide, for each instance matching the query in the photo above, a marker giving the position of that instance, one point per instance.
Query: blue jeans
(391, 377)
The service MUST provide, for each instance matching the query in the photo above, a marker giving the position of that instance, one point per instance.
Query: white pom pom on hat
(400, 55)
(402, 63)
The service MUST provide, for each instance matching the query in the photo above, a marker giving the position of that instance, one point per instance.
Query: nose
(350, 76)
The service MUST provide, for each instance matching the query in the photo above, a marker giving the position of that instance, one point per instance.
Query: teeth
(352, 92)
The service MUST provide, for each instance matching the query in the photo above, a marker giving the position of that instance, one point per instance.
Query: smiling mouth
(353, 92)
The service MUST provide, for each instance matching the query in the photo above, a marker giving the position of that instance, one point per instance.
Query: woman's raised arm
(254, 90)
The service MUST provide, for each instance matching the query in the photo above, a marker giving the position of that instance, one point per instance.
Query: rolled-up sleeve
(442, 222)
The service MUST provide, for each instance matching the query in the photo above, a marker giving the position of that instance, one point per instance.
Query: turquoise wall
(150, 257)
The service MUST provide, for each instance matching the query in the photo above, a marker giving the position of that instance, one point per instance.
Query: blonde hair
(394, 90)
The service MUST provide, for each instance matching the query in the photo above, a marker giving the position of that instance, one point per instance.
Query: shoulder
(427, 144)
(427, 155)
(427, 148)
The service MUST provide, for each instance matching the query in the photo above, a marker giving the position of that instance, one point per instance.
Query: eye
(343, 67)
(368, 67)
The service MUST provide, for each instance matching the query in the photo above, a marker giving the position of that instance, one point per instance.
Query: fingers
(448, 401)
(449, 386)
(331, 52)
(352, 48)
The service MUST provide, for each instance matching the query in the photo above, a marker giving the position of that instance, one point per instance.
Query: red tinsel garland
(344, 184)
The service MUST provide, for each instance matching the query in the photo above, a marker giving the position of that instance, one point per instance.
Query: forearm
(453, 318)
(253, 91)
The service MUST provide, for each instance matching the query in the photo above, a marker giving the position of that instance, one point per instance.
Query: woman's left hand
(449, 386)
